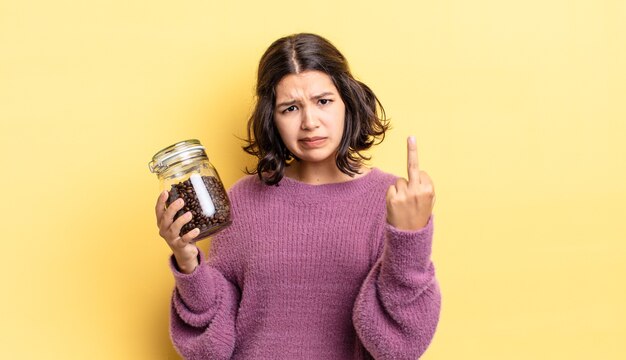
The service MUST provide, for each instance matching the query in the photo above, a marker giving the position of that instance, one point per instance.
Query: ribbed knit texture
(309, 272)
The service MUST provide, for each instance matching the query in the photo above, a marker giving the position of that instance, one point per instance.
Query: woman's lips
(313, 142)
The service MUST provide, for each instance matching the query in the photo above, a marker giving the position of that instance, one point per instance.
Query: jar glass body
(197, 182)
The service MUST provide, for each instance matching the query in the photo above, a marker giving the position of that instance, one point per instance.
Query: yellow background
(519, 108)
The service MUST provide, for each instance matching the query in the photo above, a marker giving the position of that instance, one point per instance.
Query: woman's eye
(325, 101)
(289, 109)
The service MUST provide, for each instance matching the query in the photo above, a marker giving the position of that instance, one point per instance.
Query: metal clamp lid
(180, 151)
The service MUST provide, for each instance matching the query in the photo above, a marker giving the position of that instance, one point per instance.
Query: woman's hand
(185, 252)
(410, 203)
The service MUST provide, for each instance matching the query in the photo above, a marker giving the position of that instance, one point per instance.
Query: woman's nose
(309, 120)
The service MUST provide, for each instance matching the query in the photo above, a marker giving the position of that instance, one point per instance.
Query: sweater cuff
(410, 249)
(196, 287)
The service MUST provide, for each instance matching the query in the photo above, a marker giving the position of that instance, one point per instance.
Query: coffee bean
(207, 225)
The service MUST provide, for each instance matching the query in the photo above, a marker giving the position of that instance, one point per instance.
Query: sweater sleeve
(397, 309)
(203, 310)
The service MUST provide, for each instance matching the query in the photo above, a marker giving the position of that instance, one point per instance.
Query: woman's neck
(318, 174)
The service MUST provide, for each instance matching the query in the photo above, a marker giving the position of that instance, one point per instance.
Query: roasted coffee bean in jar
(185, 172)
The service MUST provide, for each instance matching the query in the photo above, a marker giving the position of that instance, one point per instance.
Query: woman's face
(309, 115)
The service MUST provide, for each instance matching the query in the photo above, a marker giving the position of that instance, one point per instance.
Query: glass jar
(184, 171)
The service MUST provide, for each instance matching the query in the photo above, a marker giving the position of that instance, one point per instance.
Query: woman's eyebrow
(291, 102)
(325, 93)
(285, 103)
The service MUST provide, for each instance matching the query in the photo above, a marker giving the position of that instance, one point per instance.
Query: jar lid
(176, 153)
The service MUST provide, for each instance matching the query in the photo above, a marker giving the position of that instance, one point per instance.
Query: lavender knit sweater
(309, 272)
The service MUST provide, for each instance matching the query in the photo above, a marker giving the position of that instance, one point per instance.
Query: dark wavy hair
(365, 120)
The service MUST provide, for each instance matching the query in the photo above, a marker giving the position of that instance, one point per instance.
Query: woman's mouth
(313, 142)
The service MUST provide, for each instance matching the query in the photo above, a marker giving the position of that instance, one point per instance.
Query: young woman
(325, 258)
